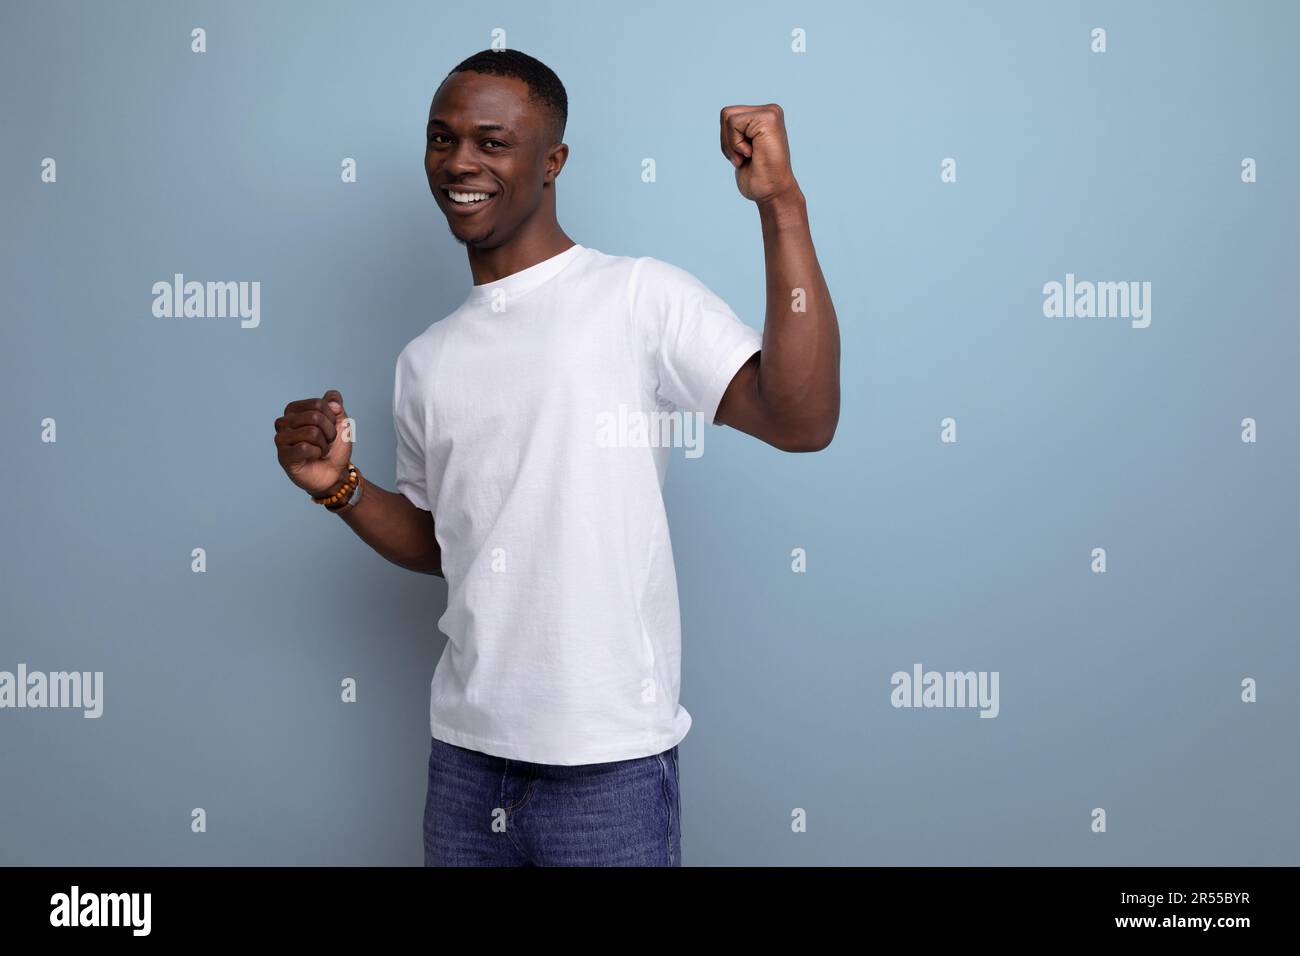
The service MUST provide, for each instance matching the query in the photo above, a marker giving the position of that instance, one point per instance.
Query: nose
(461, 160)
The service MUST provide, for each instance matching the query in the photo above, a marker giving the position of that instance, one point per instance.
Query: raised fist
(313, 440)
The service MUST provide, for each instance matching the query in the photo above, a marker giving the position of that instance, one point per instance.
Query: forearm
(396, 529)
(799, 370)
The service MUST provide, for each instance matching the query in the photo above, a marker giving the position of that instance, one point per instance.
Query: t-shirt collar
(525, 280)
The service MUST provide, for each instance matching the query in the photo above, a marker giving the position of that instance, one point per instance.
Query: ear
(555, 161)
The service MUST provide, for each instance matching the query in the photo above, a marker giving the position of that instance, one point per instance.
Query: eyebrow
(481, 127)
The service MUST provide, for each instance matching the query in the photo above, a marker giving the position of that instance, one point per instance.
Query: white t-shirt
(525, 425)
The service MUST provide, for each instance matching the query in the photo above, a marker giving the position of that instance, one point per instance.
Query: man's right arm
(395, 528)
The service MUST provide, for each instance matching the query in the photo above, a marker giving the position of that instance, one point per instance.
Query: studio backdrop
(1035, 604)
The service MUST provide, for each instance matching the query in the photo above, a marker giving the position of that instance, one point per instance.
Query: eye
(497, 141)
(433, 137)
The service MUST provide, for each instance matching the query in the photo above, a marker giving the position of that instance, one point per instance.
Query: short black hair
(544, 86)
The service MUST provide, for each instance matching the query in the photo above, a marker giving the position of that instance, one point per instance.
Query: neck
(525, 248)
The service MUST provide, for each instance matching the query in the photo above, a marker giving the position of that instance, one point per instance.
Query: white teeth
(467, 197)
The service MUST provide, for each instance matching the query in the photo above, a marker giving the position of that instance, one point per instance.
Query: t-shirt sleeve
(408, 423)
(696, 341)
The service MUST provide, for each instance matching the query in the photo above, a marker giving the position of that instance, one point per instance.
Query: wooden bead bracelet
(345, 491)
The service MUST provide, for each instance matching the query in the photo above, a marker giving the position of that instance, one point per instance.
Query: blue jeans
(483, 810)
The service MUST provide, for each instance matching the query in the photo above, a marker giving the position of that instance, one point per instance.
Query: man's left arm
(788, 394)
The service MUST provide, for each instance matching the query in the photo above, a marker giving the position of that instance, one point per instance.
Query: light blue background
(1118, 690)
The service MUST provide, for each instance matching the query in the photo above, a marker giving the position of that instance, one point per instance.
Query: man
(554, 708)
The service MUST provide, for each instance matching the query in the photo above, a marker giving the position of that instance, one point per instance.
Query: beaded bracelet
(345, 491)
(351, 502)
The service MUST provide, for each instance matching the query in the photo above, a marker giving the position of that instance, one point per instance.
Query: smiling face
(488, 157)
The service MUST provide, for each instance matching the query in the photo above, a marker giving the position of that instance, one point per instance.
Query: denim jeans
(483, 810)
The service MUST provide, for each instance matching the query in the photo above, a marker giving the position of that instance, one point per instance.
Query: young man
(528, 477)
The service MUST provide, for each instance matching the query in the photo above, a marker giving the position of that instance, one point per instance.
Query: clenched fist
(314, 442)
(755, 142)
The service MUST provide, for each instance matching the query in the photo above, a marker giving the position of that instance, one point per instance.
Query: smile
(468, 199)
